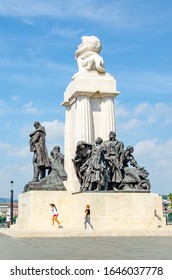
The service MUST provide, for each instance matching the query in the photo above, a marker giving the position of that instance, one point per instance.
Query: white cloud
(142, 108)
(54, 130)
(159, 113)
(3, 107)
(38, 8)
(91, 10)
(26, 130)
(130, 124)
(7, 125)
(15, 98)
(147, 147)
(156, 157)
(4, 146)
(28, 22)
(155, 153)
(152, 118)
(5, 178)
(28, 108)
(26, 8)
(65, 32)
(25, 79)
(14, 151)
(143, 114)
(18, 152)
(24, 168)
(149, 81)
(10, 173)
(120, 110)
(154, 148)
(116, 14)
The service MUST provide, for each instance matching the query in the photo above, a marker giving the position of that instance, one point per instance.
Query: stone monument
(97, 171)
(89, 102)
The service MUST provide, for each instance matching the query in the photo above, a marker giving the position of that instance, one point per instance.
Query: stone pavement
(91, 247)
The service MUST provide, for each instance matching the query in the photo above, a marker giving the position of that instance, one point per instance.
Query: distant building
(5, 208)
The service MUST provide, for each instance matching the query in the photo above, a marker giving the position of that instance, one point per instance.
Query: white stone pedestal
(109, 211)
(89, 102)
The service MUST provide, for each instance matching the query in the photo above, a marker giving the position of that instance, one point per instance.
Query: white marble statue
(87, 55)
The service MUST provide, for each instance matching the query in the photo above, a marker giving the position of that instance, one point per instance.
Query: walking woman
(87, 217)
(55, 215)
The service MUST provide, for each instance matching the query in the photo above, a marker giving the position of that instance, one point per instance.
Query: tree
(170, 197)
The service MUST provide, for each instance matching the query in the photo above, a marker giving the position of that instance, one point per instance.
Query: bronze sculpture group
(106, 166)
(53, 165)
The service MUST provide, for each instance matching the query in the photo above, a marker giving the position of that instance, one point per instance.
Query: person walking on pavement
(55, 215)
(87, 217)
(8, 220)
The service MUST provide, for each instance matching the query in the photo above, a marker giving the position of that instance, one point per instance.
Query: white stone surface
(89, 102)
(110, 212)
(87, 55)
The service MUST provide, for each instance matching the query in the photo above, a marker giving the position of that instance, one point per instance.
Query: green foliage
(169, 217)
(170, 196)
(2, 219)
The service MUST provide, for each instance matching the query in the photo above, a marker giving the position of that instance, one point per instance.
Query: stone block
(109, 211)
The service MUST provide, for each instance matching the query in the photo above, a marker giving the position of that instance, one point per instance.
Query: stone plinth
(109, 211)
(89, 102)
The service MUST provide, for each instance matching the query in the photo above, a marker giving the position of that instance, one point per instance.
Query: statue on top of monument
(87, 55)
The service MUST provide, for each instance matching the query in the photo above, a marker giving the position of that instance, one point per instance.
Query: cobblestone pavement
(85, 248)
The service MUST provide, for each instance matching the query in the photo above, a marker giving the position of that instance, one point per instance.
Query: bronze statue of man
(40, 156)
(114, 151)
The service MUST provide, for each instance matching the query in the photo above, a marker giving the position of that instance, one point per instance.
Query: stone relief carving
(107, 166)
(87, 55)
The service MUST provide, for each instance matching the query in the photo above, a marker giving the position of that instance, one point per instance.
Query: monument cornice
(90, 94)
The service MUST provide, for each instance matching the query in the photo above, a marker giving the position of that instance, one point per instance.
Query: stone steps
(61, 232)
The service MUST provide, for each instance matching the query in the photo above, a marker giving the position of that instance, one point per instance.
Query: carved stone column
(83, 122)
(107, 116)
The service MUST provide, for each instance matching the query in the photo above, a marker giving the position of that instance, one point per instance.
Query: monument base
(109, 211)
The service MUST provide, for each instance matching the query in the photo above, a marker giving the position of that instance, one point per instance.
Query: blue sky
(38, 40)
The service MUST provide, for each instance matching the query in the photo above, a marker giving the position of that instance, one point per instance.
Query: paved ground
(85, 248)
